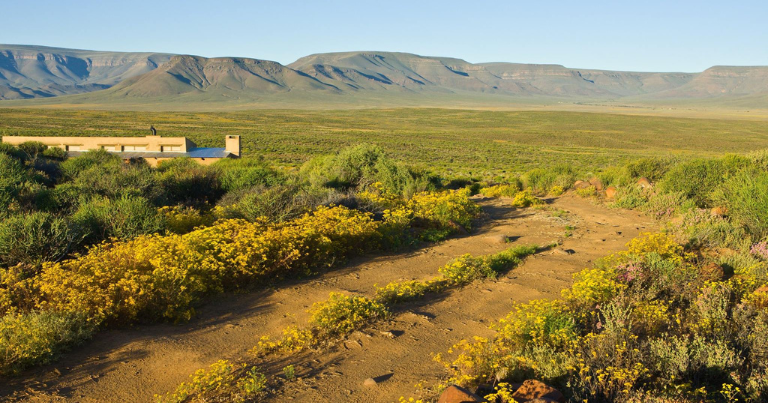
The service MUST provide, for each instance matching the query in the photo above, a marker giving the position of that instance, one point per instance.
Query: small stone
(370, 382)
(610, 192)
(388, 333)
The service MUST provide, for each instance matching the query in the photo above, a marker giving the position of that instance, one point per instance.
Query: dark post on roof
(153, 130)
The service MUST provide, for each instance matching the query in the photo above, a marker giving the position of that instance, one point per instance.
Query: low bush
(35, 238)
(342, 314)
(36, 338)
(223, 379)
(123, 218)
(695, 179)
(746, 197)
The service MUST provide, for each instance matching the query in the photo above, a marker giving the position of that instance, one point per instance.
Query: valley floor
(131, 365)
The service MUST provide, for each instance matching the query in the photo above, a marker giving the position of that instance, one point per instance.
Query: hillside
(350, 79)
(39, 71)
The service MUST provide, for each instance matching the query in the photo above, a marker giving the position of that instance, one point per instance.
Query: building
(153, 149)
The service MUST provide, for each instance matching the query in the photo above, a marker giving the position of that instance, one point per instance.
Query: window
(134, 148)
(111, 149)
(73, 148)
(171, 149)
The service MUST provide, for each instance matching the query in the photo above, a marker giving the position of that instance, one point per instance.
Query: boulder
(536, 391)
(644, 183)
(457, 394)
(610, 192)
(597, 183)
(581, 185)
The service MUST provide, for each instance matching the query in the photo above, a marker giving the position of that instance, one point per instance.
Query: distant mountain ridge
(39, 71)
(360, 78)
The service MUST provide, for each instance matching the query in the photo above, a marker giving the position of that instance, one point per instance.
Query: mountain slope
(358, 79)
(38, 71)
(194, 76)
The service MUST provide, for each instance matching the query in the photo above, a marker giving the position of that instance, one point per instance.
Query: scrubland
(91, 243)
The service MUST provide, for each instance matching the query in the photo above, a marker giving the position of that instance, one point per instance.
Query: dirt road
(131, 365)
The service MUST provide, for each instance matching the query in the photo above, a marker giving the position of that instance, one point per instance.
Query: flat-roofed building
(153, 149)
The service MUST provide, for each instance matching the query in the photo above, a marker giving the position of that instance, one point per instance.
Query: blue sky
(619, 35)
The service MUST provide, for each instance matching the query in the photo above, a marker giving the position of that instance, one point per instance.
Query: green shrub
(360, 166)
(184, 181)
(35, 238)
(123, 218)
(652, 169)
(37, 337)
(746, 197)
(13, 179)
(12, 151)
(73, 167)
(244, 173)
(696, 179)
(115, 181)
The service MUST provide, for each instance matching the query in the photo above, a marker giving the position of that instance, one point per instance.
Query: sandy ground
(131, 365)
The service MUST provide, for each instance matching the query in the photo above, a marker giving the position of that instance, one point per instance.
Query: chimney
(233, 145)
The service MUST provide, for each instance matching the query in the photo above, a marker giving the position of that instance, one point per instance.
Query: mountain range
(44, 75)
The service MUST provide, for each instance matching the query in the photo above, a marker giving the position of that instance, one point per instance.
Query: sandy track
(131, 365)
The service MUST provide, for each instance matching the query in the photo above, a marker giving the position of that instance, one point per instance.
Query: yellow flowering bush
(36, 337)
(659, 243)
(592, 287)
(342, 314)
(222, 379)
(541, 322)
(525, 199)
(396, 292)
(556, 190)
(608, 365)
(180, 219)
(500, 191)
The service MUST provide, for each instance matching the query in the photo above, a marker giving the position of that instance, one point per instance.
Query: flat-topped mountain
(39, 71)
(351, 78)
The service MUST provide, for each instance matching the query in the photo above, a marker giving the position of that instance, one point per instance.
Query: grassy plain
(453, 142)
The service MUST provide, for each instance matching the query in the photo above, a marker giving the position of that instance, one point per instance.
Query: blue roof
(208, 153)
(195, 153)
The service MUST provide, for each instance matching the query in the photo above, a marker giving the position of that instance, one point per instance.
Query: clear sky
(638, 35)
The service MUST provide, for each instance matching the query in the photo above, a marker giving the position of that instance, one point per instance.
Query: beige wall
(233, 144)
(152, 143)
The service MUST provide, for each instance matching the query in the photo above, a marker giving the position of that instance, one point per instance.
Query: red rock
(644, 183)
(610, 192)
(457, 394)
(533, 390)
(597, 183)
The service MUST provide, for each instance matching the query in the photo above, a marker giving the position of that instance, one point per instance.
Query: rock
(763, 289)
(597, 183)
(581, 185)
(720, 211)
(644, 183)
(533, 390)
(498, 238)
(370, 382)
(610, 192)
(712, 272)
(457, 394)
